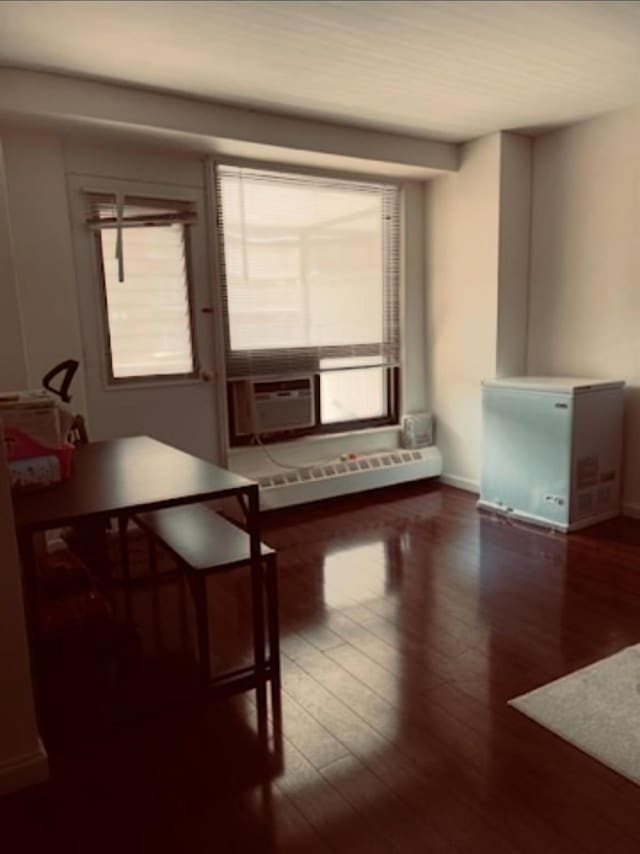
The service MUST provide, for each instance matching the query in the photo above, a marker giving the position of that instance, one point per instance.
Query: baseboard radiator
(342, 477)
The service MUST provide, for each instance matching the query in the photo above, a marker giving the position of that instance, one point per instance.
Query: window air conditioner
(268, 406)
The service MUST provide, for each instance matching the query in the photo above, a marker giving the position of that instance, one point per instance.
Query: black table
(120, 477)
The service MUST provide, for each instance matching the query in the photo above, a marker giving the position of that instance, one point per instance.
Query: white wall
(211, 127)
(13, 365)
(513, 254)
(584, 311)
(414, 377)
(476, 257)
(42, 252)
(22, 757)
(461, 310)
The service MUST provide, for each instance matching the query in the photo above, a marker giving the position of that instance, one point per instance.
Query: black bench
(203, 542)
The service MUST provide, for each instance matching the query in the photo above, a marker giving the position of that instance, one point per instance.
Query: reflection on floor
(408, 621)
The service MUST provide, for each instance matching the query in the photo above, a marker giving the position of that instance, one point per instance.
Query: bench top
(199, 537)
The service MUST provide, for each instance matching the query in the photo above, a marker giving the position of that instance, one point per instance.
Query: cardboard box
(34, 413)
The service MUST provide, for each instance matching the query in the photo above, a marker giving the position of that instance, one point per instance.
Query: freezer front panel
(526, 465)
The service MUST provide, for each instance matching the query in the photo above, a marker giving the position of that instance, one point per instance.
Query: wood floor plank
(586, 827)
(308, 736)
(408, 620)
(332, 817)
(389, 815)
(370, 731)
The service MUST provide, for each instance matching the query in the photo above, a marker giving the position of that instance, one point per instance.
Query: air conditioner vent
(271, 405)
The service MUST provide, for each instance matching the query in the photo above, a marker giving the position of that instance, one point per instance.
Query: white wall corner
(513, 254)
(461, 305)
(23, 771)
(466, 483)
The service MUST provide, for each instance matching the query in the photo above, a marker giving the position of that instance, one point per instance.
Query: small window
(352, 395)
(145, 283)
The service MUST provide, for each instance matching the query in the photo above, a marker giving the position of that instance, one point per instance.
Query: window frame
(310, 366)
(144, 379)
(391, 419)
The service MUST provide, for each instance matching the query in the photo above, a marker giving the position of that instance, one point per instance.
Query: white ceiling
(446, 70)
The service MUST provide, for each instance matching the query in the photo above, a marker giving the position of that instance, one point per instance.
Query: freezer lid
(553, 385)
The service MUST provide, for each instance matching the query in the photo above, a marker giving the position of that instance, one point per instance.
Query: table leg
(123, 525)
(259, 640)
(28, 560)
(152, 556)
(199, 593)
(271, 584)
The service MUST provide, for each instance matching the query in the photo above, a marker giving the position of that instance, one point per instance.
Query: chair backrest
(77, 434)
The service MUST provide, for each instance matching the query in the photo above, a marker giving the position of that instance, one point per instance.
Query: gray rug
(597, 709)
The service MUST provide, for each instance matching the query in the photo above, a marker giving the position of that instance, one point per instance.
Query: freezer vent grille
(587, 474)
(585, 504)
(604, 497)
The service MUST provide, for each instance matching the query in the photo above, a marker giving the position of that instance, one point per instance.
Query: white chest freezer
(551, 449)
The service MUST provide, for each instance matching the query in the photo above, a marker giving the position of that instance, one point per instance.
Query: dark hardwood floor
(408, 621)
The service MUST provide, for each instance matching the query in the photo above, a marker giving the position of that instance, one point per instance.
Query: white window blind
(143, 245)
(310, 273)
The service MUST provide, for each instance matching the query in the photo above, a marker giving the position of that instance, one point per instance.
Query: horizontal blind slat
(102, 211)
(310, 271)
(148, 314)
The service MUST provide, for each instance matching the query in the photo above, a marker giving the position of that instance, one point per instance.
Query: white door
(148, 326)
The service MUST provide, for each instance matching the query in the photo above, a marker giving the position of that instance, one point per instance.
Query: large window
(310, 275)
(142, 245)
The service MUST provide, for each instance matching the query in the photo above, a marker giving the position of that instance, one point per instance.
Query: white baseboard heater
(341, 477)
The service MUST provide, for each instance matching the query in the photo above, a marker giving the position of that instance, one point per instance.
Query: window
(351, 395)
(142, 245)
(311, 286)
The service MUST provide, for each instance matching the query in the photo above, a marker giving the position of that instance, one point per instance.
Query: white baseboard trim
(461, 483)
(23, 771)
(630, 508)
